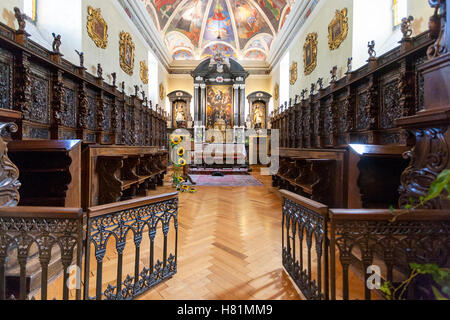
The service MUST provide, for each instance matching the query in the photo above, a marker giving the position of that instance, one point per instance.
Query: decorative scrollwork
(9, 173)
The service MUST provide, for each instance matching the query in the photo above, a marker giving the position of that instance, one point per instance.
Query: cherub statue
(372, 52)
(304, 93)
(20, 17)
(56, 42)
(333, 73)
(81, 56)
(99, 71)
(320, 83)
(313, 88)
(114, 77)
(406, 27)
(350, 65)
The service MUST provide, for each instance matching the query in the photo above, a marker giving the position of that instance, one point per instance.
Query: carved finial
(437, 28)
(296, 99)
(81, 56)
(372, 52)
(333, 73)
(406, 27)
(20, 17)
(136, 90)
(9, 173)
(99, 71)
(56, 42)
(123, 86)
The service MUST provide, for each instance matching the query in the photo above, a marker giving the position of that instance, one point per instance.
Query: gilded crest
(97, 27)
(126, 53)
(293, 73)
(276, 92)
(310, 53)
(144, 72)
(161, 91)
(338, 29)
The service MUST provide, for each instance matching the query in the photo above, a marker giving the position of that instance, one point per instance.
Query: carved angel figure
(56, 42)
(406, 27)
(81, 56)
(99, 71)
(20, 19)
(371, 46)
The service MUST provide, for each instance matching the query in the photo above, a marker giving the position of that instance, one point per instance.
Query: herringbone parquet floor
(229, 246)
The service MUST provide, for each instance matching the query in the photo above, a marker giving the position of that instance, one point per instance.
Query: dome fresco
(242, 28)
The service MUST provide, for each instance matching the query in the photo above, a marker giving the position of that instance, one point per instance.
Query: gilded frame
(310, 53)
(127, 49)
(144, 72)
(338, 29)
(161, 92)
(97, 27)
(276, 92)
(293, 73)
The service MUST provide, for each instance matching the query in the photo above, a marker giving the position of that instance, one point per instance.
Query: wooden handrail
(130, 204)
(308, 203)
(41, 212)
(379, 215)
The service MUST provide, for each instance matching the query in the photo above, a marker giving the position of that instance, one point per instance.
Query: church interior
(224, 150)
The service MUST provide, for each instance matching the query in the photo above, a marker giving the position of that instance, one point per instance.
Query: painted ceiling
(243, 29)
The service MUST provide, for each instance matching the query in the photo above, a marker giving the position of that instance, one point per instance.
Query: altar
(219, 113)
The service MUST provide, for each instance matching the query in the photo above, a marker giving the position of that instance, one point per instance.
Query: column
(196, 103)
(236, 105)
(242, 108)
(203, 104)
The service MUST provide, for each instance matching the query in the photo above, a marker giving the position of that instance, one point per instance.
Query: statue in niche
(20, 19)
(258, 117)
(56, 42)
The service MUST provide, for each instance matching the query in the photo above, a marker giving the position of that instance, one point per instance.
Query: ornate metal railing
(315, 238)
(37, 237)
(127, 224)
(22, 229)
(417, 237)
(305, 232)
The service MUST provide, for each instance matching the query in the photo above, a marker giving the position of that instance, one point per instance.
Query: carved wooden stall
(361, 107)
(339, 140)
(58, 100)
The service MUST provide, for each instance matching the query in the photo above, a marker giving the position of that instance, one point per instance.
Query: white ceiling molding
(290, 30)
(148, 30)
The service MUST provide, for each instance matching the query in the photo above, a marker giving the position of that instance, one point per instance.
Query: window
(29, 8)
(400, 9)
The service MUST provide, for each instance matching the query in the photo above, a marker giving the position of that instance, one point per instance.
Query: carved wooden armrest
(110, 185)
(130, 165)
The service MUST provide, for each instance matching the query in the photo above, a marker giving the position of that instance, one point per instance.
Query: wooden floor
(229, 246)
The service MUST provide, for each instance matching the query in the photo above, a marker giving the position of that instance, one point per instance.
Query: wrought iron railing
(127, 224)
(38, 231)
(349, 243)
(417, 237)
(305, 232)
(117, 237)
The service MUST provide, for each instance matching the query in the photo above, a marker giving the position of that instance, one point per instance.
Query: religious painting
(259, 115)
(338, 29)
(310, 53)
(97, 28)
(189, 20)
(249, 22)
(255, 55)
(273, 10)
(276, 92)
(182, 54)
(144, 72)
(162, 92)
(126, 53)
(219, 107)
(219, 23)
(211, 50)
(293, 73)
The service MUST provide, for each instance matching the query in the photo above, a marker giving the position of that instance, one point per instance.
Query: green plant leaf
(438, 294)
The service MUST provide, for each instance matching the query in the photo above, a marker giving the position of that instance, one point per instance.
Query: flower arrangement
(179, 165)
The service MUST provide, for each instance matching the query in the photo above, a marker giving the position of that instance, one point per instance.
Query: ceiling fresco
(243, 29)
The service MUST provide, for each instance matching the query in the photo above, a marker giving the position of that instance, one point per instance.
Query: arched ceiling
(191, 28)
